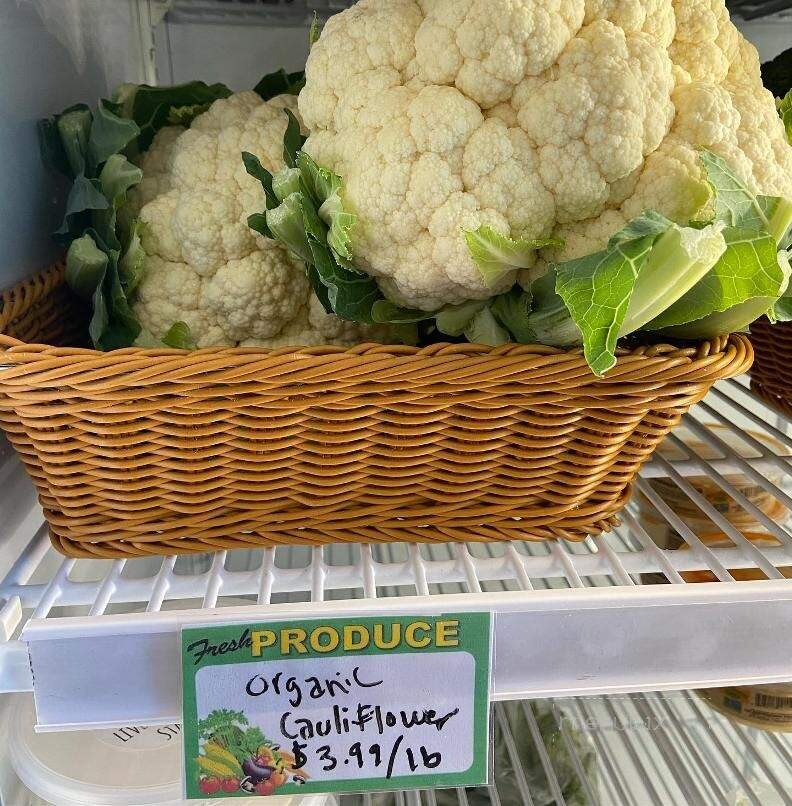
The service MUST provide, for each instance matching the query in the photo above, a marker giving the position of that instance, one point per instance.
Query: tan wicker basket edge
(145, 451)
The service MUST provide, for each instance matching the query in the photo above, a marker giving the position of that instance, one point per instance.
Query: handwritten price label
(338, 705)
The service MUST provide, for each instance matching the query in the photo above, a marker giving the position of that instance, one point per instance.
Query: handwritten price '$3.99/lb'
(377, 755)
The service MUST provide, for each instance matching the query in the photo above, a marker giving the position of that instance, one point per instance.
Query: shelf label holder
(336, 705)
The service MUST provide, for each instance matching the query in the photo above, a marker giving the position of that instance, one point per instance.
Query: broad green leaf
(453, 320)
(324, 188)
(320, 182)
(484, 329)
(680, 258)
(782, 310)
(314, 32)
(280, 83)
(293, 140)
(512, 310)
(113, 324)
(737, 318)
(497, 255)
(735, 204)
(258, 223)
(100, 318)
(748, 268)
(86, 264)
(785, 112)
(734, 320)
(319, 288)
(63, 140)
(179, 337)
(286, 222)
(286, 182)
(85, 196)
(351, 295)
(74, 127)
(123, 99)
(151, 107)
(388, 313)
(131, 265)
(597, 288)
(117, 177)
(341, 224)
(109, 134)
(778, 213)
(122, 327)
(105, 223)
(254, 167)
(314, 226)
(550, 323)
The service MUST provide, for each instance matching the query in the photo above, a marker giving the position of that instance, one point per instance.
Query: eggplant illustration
(255, 771)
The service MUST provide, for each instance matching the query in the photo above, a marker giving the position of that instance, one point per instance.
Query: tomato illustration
(230, 784)
(265, 787)
(278, 778)
(210, 785)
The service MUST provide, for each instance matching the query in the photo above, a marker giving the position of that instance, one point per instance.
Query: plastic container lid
(122, 767)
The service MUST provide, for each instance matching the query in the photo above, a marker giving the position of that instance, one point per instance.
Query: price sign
(336, 705)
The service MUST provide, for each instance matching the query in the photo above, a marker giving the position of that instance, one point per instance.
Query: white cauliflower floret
(211, 228)
(155, 164)
(256, 297)
(171, 292)
(204, 265)
(536, 117)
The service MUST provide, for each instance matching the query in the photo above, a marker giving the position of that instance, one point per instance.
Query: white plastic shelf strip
(101, 635)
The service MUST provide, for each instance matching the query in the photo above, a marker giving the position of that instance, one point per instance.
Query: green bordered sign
(336, 705)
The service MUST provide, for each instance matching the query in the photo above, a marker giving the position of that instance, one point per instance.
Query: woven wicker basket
(771, 374)
(162, 452)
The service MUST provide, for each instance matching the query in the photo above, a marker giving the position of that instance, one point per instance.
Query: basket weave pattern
(162, 451)
(771, 374)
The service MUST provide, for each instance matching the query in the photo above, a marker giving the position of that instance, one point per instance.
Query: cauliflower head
(203, 265)
(533, 117)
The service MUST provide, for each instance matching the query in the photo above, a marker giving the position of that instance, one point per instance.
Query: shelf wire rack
(569, 619)
(639, 749)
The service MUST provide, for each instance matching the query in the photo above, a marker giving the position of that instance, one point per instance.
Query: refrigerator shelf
(570, 619)
(653, 749)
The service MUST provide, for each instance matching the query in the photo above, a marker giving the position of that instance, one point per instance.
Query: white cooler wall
(48, 61)
(770, 35)
(237, 55)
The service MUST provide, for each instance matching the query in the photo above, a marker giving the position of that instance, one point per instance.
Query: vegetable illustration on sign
(237, 757)
(336, 705)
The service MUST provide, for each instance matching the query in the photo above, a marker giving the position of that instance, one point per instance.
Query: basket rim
(438, 367)
(734, 349)
(17, 351)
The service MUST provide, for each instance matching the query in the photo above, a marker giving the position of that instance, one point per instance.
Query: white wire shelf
(570, 619)
(653, 749)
